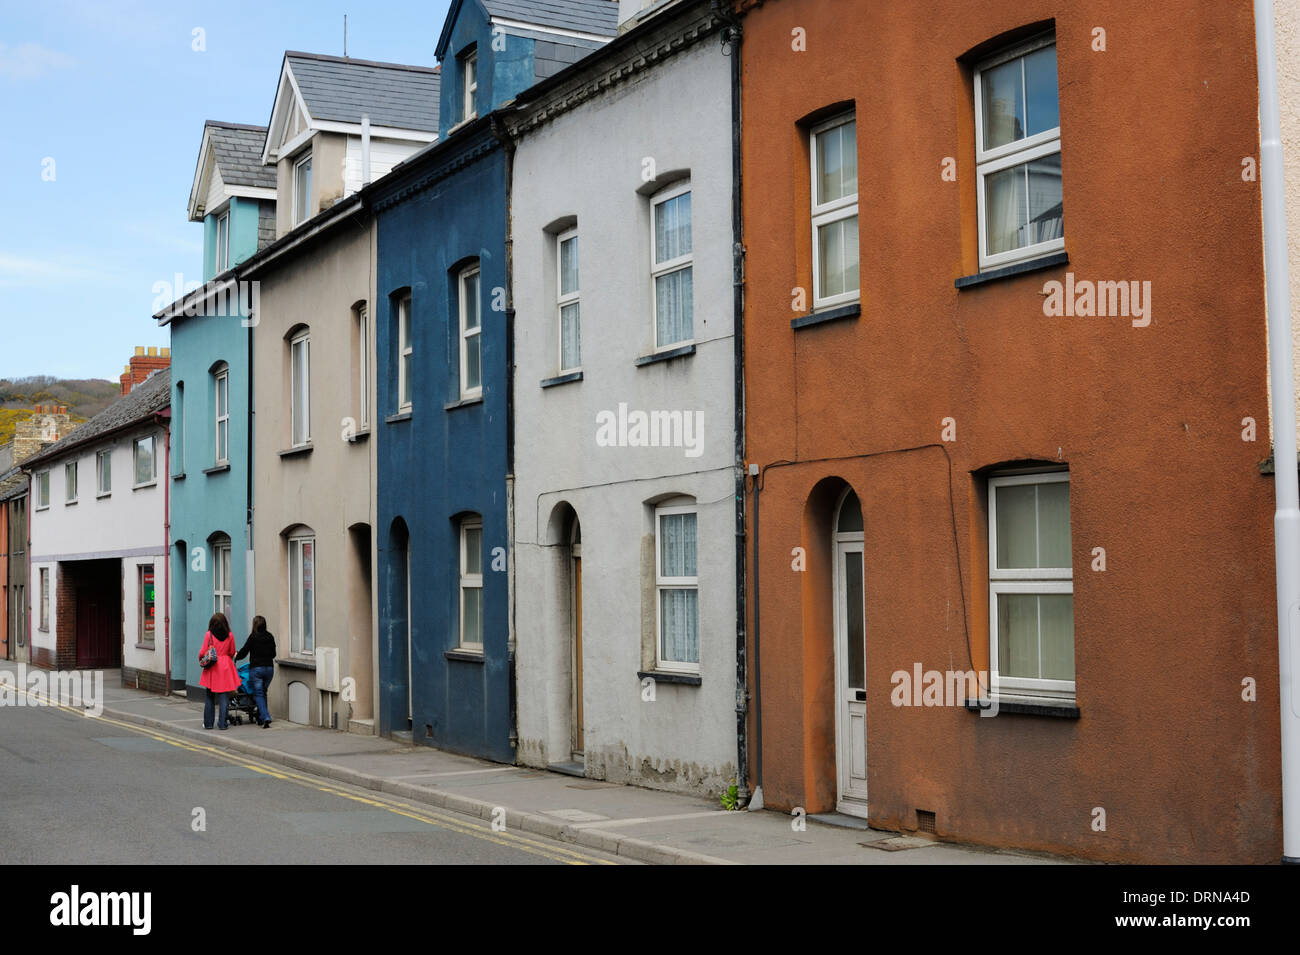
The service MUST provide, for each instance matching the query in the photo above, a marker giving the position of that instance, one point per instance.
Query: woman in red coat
(220, 679)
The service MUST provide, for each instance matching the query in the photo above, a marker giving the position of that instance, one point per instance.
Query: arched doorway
(850, 658)
(576, 734)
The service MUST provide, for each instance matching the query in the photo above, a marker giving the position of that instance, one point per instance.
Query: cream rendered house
(336, 124)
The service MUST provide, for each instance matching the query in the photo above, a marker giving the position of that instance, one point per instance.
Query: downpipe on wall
(1286, 477)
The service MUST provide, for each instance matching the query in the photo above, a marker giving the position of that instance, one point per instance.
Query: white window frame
(405, 350)
(221, 576)
(469, 85)
(469, 581)
(223, 242)
(1030, 580)
(153, 461)
(298, 595)
(44, 576)
(300, 215)
(467, 333)
(363, 364)
(104, 473)
(300, 391)
(663, 583)
(565, 300)
(140, 570)
(680, 264)
(1045, 143)
(222, 421)
(828, 213)
(41, 490)
(70, 482)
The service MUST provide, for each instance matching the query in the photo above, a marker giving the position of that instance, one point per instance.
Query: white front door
(850, 682)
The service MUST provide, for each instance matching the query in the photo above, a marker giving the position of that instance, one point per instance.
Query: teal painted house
(233, 195)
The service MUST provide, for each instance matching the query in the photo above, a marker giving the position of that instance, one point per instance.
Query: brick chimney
(143, 364)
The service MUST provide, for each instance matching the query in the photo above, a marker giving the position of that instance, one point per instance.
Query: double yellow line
(432, 817)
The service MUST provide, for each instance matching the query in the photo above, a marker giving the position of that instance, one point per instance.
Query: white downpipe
(365, 149)
(1286, 520)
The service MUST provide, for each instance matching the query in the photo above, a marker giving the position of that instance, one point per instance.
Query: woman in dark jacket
(260, 648)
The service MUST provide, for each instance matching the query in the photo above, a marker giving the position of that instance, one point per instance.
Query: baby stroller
(242, 703)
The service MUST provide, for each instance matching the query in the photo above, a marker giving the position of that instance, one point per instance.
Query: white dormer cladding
(632, 13)
(217, 195)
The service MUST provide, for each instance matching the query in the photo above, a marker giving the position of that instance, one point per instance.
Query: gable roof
(233, 151)
(596, 18)
(13, 483)
(145, 400)
(599, 17)
(340, 89)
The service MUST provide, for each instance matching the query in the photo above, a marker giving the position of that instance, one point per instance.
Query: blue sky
(116, 96)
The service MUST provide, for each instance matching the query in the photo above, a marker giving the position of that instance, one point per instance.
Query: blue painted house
(233, 195)
(446, 649)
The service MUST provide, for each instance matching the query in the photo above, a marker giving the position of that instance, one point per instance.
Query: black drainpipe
(731, 43)
(508, 145)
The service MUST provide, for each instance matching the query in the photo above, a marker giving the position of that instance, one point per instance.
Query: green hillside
(83, 397)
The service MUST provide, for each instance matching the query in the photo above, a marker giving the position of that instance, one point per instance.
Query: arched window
(222, 589)
(471, 582)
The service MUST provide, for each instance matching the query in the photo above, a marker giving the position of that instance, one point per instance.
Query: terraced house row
(670, 393)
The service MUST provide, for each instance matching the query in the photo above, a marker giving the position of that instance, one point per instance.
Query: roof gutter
(1286, 481)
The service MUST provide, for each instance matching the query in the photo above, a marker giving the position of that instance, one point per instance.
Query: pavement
(624, 821)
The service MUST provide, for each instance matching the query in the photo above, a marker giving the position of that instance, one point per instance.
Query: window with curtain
(221, 586)
(405, 354)
(471, 343)
(1018, 154)
(672, 267)
(300, 388)
(677, 583)
(223, 242)
(145, 461)
(104, 473)
(1031, 586)
(221, 403)
(471, 583)
(835, 212)
(302, 190)
(302, 594)
(568, 302)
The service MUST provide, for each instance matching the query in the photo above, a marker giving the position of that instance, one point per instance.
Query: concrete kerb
(535, 823)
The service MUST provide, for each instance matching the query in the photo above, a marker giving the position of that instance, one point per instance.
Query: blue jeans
(222, 700)
(259, 678)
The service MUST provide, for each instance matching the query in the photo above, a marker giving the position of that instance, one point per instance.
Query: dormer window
(302, 189)
(469, 83)
(223, 242)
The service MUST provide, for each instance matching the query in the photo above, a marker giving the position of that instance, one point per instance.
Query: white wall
(384, 155)
(128, 524)
(589, 164)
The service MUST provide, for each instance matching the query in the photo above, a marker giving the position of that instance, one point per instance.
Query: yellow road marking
(432, 817)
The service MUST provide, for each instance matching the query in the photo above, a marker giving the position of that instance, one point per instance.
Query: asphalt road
(78, 791)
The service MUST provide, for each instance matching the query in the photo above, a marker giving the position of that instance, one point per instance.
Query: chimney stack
(143, 364)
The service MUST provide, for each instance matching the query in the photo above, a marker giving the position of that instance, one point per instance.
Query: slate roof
(238, 150)
(584, 16)
(145, 400)
(339, 89)
(13, 483)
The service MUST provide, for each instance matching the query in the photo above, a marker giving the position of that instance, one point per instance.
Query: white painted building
(99, 541)
(624, 503)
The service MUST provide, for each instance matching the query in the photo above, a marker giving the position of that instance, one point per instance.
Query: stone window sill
(1062, 709)
(666, 676)
(841, 313)
(562, 379)
(294, 452)
(398, 418)
(1009, 271)
(217, 469)
(463, 403)
(668, 355)
(297, 663)
(465, 656)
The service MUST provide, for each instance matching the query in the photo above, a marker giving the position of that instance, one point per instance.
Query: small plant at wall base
(731, 798)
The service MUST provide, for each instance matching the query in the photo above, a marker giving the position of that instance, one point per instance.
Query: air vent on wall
(924, 820)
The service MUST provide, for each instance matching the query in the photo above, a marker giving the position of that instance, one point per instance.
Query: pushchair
(242, 704)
